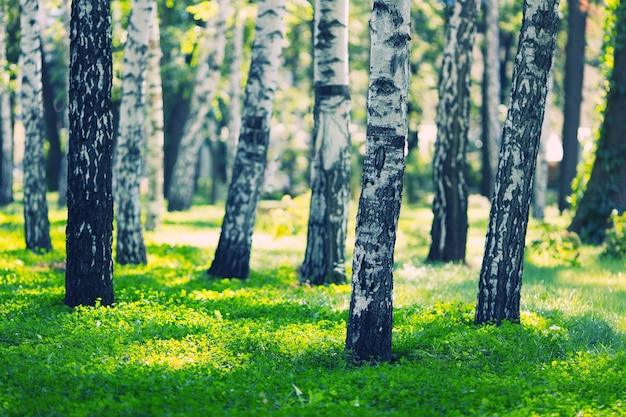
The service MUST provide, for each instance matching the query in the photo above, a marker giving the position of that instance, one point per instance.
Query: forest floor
(177, 343)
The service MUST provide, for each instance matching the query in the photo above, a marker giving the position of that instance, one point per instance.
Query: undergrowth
(179, 344)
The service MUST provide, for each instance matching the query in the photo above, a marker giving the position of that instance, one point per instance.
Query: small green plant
(615, 240)
(559, 245)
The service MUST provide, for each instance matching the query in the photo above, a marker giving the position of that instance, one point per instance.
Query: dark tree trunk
(6, 131)
(36, 223)
(449, 228)
(370, 320)
(89, 240)
(606, 188)
(501, 273)
(574, 69)
(491, 129)
(51, 123)
(232, 257)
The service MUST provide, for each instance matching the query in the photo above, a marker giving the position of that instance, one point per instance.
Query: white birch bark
(154, 127)
(324, 260)
(130, 247)
(370, 317)
(501, 273)
(232, 257)
(6, 132)
(449, 228)
(181, 186)
(36, 223)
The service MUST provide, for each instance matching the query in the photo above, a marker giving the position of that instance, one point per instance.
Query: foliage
(558, 245)
(177, 343)
(615, 240)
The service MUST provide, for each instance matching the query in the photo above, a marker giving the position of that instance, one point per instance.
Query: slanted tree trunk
(6, 132)
(501, 273)
(89, 240)
(449, 228)
(606, 188)
(371, 309)
(182, 184)
(491, 97)
(573, 86)
(36, 223)
(324, 260)
(232, 257)
(128, 159)
(154, 127)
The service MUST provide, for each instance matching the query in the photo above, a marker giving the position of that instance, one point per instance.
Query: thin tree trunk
(234, 105)
(6, 132)
(62, 186)
(540, 180)
(449, 228)
(207, 78)
(232, 257)
(491, 97)
(36, 223)
(324, 260)
(371, 309)
(128, 159)
(606, 188)
(154, 127)
(89, 240)
(573, 86)
(501, 273)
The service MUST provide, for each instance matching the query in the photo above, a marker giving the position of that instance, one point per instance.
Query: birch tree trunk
(606, 188)
(449, 228)
(573, 88)
(501, 273)
(36, 223)
(6, 132)
(491, 97)
(370, 319)
(128, 160)
(324, 260)
(232, 257)
(89, 272)
(154, 127)
(182, 184)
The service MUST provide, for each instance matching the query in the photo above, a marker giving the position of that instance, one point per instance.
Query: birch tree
(36, 223)
(154, 126)
(234, 105)
(324, 260)
(232, 257)
(182, 183)
(6, 132)
(370, 317)
(130, 247)
(491, 97)
(89, 234)
(449, 228)
(501, 273)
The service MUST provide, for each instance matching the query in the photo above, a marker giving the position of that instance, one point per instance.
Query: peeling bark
(89, 235)
(128, 157)
(501, 273)
(232, 257)
(36, 223)
(371, 309)
(449, 228)
(324, 260)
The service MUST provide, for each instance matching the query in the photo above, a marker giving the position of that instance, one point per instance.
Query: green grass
(179, 344)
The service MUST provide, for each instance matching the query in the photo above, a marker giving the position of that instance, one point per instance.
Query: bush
(615, 240)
